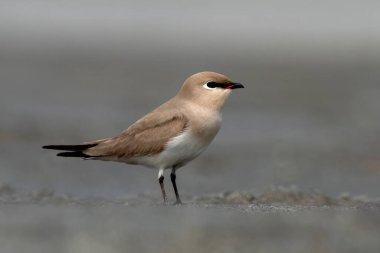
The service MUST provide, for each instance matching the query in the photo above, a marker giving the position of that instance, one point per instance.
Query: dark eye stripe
(217, 85)
(212, 85)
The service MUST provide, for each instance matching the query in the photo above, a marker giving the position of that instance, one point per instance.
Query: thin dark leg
(173, 178)
(161, 181)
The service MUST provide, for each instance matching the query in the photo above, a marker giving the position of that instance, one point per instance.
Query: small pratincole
(171, 135)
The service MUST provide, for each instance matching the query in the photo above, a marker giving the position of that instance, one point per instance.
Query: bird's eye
(210, 85)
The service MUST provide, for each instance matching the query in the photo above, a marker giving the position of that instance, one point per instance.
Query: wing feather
(148, 136)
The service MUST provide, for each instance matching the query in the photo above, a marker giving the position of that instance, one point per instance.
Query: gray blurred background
(72, 71)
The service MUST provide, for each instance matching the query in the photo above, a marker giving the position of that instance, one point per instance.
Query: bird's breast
(206, 126)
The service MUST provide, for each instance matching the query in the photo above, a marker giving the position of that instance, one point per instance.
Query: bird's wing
(148, 136)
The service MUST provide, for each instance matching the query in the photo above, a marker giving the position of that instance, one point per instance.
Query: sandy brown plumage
(171, 135)
(141, 139)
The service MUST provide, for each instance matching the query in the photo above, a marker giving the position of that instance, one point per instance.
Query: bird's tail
(73, 150)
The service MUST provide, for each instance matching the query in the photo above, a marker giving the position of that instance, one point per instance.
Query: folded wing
(148, 136)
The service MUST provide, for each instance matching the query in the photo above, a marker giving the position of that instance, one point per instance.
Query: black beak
(237, 86)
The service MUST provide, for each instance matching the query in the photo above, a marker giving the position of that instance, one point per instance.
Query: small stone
(345, 196)
(239, 198)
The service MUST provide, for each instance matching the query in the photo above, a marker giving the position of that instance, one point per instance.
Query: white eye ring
(206, 86)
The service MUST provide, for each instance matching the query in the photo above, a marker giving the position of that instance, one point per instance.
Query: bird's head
(208, 89)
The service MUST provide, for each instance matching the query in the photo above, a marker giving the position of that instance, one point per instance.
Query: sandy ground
(278, 220)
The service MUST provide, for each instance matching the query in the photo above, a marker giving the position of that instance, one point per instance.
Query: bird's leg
(173, 178)
(161, 181)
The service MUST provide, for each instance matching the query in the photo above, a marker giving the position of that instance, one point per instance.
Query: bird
(171, 135)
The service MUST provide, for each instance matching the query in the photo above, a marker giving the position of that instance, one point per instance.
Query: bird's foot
(178, 203)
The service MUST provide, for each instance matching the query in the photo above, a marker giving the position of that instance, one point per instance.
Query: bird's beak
(235, 86)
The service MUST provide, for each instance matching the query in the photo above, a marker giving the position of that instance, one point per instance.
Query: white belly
(178, 152)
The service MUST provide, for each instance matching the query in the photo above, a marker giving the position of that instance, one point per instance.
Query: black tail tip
(73, 154)
(79, 147)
